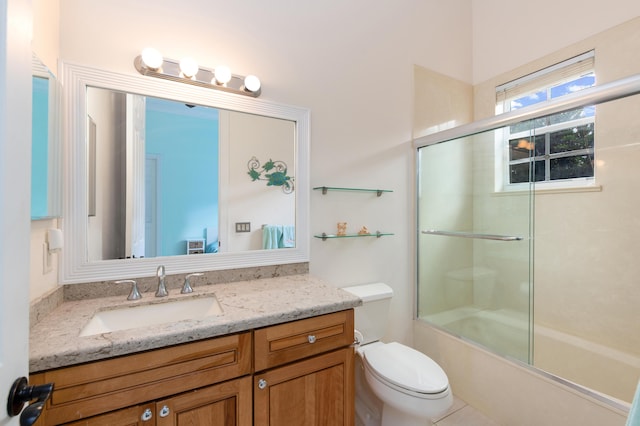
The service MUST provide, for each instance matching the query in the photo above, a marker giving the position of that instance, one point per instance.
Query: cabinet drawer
(97, 387)
(284, 343)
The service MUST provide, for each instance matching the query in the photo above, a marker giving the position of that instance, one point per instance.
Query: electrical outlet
(243, 226)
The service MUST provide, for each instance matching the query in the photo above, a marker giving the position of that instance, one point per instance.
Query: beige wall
(584, 271)
(508, 34)
(350, 63)
(585, 242)
(42, 278)
(46, 32)
(508, 393)
(45, 44)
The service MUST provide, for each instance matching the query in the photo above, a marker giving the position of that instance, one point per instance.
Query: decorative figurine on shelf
(363, 231)
(342, 229)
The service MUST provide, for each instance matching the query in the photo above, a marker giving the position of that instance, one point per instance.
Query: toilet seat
(405, 369)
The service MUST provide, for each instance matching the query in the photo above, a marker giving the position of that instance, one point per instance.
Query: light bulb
(252, 83)
(151, 58)
(189, 67)
(222, 75)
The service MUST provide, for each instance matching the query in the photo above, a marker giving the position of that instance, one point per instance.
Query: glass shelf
(325, 189)
(327, 236)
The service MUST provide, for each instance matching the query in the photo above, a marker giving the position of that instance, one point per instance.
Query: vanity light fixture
(151, 58)
(221, 75)
(151, 63)
(188, 68)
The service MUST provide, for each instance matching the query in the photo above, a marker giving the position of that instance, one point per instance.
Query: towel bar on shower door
(472, 235)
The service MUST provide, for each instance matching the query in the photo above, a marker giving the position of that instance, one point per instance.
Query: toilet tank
(372, 317)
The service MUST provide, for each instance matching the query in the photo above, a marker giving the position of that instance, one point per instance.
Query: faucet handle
(135, 294)
(186, 288)
(162, 287)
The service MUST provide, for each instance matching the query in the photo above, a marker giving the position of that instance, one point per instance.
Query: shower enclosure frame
(595, 95)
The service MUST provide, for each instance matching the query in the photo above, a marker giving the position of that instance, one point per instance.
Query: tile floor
(462, 414)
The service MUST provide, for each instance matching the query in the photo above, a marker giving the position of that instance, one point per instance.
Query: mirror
(161, 159)
(184, 176)
(45, 148)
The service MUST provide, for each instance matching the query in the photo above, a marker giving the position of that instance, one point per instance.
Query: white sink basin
(129, 317)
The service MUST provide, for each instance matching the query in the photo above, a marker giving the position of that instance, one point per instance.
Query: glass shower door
(474, 242)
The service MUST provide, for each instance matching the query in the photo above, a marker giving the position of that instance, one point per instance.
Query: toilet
(412, 388)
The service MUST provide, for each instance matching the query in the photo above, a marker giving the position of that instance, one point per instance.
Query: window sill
(553, 190)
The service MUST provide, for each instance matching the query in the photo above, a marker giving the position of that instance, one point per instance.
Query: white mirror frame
(75, 268)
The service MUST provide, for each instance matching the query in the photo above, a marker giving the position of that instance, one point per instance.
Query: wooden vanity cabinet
(302, 375)
(304, 372)
(119, 390)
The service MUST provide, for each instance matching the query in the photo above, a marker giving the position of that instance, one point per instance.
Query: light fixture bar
(170, 70)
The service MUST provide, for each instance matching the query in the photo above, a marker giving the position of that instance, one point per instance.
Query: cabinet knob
(311, 338)
(262, 383)
(164, 411)
(146, 415)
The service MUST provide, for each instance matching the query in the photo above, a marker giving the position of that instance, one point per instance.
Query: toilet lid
(407, 368)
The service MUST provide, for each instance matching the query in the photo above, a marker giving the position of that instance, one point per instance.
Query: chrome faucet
(186, 288)
(135, 294)
(162, 287)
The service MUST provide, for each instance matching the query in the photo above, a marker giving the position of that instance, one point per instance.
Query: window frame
(543, 80)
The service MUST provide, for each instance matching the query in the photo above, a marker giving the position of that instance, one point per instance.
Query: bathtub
(585, 363)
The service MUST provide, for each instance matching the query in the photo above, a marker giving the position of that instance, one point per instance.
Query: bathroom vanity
(279, 352)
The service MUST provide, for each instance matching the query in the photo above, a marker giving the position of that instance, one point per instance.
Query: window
(555, 150)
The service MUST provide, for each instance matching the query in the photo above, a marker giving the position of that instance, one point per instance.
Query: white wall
(350, 62)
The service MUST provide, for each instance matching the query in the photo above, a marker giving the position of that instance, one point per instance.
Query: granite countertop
(55, 342)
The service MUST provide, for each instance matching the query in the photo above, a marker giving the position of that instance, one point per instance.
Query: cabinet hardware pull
(311, 338)
(146, 416)
(164, 411)
(262, 383)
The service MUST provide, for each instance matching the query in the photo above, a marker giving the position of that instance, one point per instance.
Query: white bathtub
(501, 331)
(506, 332)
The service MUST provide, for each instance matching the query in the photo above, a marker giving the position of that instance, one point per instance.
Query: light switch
(243, 226)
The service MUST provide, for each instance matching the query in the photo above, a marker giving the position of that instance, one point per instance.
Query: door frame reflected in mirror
(75, 267)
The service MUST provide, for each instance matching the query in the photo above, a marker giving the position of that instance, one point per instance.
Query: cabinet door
(224, 404)
(316, 391)
(140, 415)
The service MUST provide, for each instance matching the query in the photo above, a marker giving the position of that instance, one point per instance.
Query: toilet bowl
(409, 382)
(411, 386)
